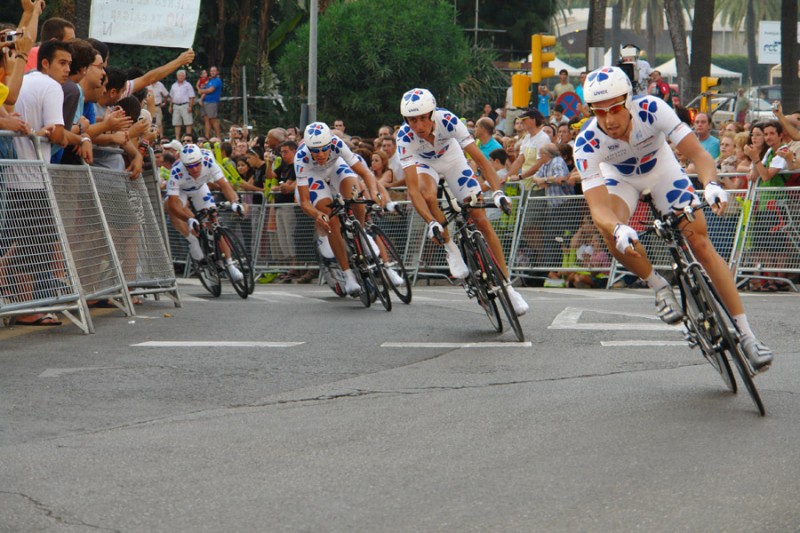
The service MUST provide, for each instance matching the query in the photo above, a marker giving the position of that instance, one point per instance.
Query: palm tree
(595, 32)
(734, 12)
(702, 30)
(677, 34)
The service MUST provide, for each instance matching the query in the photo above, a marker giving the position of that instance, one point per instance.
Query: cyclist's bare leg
(335, 236)
(696, 233)
(429, 189)
(485, 227)
(346, 190)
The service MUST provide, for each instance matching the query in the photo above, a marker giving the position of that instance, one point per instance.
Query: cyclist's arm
(599, 201)
(369, 178)
(703, 162)
(227, 190)
(308, 208)
(487, 170)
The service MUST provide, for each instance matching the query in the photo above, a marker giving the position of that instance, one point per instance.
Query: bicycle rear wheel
(729, 342)
(478, 285)
(394, 263)
(240, 260)
(374, 276)
(703, 323)
(497, 283)
(207, 268)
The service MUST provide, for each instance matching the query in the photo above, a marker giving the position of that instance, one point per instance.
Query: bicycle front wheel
(207, 268)
(729, 342)
(239, 259)
(372, 266)
(478, 284)
(497, 285)
(395, 263)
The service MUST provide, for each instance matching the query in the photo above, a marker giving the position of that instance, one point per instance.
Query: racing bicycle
(363, 256)
(217, 242)
(709, 325)
(486, 281)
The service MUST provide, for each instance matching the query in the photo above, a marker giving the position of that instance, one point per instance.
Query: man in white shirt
(160, 95)
(181, 102)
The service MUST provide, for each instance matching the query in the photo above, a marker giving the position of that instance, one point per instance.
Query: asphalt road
(328, 417)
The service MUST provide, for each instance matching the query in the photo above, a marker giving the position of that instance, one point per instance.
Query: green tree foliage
(371, 51)
(516, 21)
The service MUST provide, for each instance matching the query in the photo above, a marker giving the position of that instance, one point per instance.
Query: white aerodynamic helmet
(606, 83)
(417, 102)
(191, 154)
(317, 135)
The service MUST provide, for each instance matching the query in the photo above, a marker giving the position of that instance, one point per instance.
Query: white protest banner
(769, 42)
(168, 23)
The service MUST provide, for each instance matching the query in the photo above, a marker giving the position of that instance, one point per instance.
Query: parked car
(722, 107)
(770, 93)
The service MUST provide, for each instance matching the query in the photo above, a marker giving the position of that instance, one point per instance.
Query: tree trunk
(596, 31)
(750, 30)
(702, 30)
(219, 49)
(790, 85)
(654, 27)
(677, 34)
(616, 30)
(263, 31)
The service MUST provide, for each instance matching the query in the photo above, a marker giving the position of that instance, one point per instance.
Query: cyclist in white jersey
(188, 180)
(431, 143)
(325, 166)
(623, 151)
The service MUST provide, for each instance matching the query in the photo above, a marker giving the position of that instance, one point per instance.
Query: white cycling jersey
(645, 162)
(322, 179)
(444, 157)
(183, 185)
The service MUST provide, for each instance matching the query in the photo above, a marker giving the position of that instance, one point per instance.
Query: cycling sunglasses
(610, 110)
(318, 150)
(194, 165)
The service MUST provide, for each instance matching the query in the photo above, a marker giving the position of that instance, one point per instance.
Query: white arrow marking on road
(526, 344)
(234, 344)
(644, 343)
(570, 316)
(58, 372)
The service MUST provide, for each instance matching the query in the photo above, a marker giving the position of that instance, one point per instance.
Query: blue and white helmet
(317, 135)
(606, 83)
(417, 102)
(191, 154)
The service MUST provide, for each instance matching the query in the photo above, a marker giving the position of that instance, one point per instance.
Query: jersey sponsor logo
(313, 187)
(587, 142)
(428, 155)
(682, 193)
(647, 110)
(612, 147)
(449, 121)
(467, 180)
(342, 169)
(405, 134)
(611, 182)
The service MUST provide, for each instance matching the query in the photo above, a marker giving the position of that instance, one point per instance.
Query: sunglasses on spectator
(610, 110)
(318, 150)
(194, 165)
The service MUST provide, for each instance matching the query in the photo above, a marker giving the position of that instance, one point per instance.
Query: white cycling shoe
(351, 286)
(395, 278)
(458, 268)
(520, 305)
(235, 274)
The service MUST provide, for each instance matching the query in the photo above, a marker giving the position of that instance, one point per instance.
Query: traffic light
(540, 58)
(520, 90)
(706, 83)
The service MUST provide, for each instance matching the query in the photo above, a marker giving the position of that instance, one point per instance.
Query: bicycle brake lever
(689, 213)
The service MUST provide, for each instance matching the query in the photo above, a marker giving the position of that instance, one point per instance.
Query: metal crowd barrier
(136, 230)
(38, 273)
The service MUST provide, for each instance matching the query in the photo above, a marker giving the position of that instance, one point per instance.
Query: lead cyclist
(623, 151)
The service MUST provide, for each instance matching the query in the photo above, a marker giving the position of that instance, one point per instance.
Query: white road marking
(644, 343)
(58, 372)
(526, 344)
(570, 316)
(234, 344)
